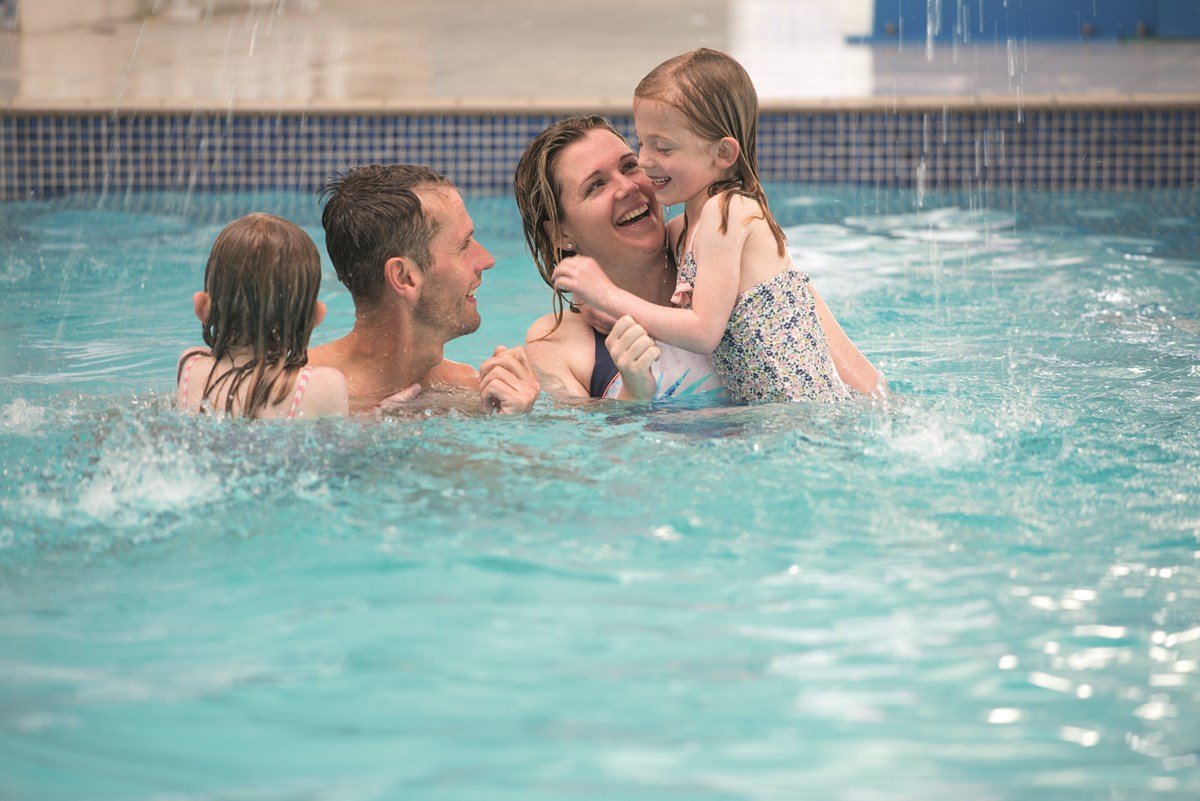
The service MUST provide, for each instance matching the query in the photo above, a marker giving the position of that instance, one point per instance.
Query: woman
(581, 193)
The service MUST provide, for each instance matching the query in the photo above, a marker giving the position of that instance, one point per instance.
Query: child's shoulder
(741, 217)
(327, 392)
(452, 374)
(189, 353)
(740, 202)
(739, 207)
(185, 358)
(326, 375)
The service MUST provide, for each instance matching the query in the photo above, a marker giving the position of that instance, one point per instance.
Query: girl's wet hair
(539, 192)
(716, 97)
(262, 279)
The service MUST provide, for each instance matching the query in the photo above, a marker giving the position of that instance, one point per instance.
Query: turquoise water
(987, 588)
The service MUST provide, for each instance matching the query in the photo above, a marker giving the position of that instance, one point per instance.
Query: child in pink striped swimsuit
(258, 309)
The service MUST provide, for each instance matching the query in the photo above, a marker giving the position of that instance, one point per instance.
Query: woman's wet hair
(539, 193)
(262, 280)
(717, 99)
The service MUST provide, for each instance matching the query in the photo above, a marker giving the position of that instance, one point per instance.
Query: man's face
(447, 305)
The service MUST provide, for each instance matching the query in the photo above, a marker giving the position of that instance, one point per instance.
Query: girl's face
(607, 204)
(680, 163)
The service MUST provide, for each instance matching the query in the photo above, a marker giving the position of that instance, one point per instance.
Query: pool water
(986, 588)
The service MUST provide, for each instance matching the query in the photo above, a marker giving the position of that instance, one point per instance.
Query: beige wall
(37, 16)
(34, 16)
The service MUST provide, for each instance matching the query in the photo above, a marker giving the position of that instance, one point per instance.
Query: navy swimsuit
(605, 370)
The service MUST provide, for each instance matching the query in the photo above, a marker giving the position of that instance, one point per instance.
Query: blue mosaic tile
(47, 153)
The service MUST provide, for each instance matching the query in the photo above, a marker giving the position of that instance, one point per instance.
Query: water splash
(133, 482)
(23, 418)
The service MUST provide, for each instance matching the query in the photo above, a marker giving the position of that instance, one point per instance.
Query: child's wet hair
(262, 279)
(717, 99)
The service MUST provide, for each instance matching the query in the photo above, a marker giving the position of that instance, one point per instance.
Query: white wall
(799, 48)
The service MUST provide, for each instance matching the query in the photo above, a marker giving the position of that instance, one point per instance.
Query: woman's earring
(569, 246)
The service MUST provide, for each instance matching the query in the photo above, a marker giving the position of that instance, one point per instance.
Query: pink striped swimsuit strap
(301, 385)
(183, 381)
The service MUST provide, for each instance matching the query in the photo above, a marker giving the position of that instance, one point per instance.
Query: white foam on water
(939, 443)
(22, 417)
(131, 483)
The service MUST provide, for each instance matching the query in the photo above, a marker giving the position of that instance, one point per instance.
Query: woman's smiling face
(607, 204)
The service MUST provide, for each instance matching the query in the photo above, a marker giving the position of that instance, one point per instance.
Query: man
(403, 244)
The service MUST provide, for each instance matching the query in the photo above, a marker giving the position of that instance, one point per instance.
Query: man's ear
(202, 303)
(403, 277)
(728, 150)
(320, 315)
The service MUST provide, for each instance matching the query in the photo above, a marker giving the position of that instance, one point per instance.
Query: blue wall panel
(967, 21)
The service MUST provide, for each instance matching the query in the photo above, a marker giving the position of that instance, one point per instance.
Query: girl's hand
(633, 352)
(583, 277)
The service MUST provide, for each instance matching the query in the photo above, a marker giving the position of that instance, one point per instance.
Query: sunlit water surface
(986, 588)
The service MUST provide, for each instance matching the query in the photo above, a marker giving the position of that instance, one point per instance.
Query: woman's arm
(560, 356)
(564, 358)
(855, 369)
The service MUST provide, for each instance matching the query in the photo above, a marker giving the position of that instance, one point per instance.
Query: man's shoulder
(452, 374)
(328, 355)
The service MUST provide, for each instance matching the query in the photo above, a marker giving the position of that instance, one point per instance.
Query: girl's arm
(698, 329)
(633, 351)
(855, 369)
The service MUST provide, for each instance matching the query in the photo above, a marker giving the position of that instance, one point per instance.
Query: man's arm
(507, 383)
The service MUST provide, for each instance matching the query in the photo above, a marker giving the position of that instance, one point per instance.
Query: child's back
(773, 347)
(258, 309)
(310, 392)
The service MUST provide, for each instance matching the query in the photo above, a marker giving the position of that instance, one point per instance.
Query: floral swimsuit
(774, 348)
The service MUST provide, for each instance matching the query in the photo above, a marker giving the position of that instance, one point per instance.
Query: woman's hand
(583, 277)
(633, 351)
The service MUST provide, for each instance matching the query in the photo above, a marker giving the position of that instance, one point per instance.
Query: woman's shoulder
(564, 351)
(546, 329)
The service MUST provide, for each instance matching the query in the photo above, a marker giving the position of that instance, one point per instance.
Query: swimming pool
(988, 587)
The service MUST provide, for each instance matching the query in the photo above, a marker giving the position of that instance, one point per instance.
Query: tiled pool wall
(935, 147)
